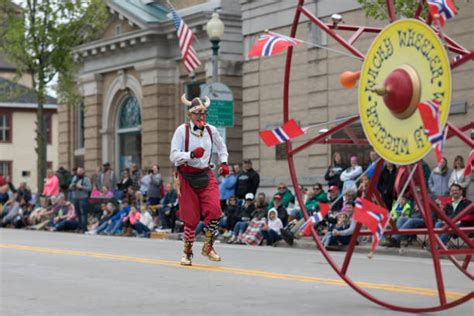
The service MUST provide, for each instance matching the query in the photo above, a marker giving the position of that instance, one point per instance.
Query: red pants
(193, 202)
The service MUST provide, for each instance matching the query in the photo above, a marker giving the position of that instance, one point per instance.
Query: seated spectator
(13, 211)
(319, 196)
(114, 225)
(386, 184)
(452, 209)
(167, 206)
(146, 223)
(286, 197)
(334, 171)
(67, 221)
(231, 216)
(458, 177)
(129, 195)
(253, 234)
(439, 179)
(401, 209)
(333, 195)
(57, 208)
(34, 217)
(349, 175)
(95, 191)
(363, 186)
(280, 208)
(246, 213)
(107, 213)
(271, 230)
(341, 232)
(51, 184)
(261, 201)
(129, 221)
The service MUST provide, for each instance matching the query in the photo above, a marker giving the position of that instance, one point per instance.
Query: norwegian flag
(374, 216)
(429, 112)
(316, 218)
(185, 37)
(470, 160)
(282, 134)
(271, 43)
(445, 9)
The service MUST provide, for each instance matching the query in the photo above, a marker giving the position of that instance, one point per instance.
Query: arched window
(130, 116)
(129, 134)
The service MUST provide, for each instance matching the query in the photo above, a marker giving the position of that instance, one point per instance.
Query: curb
(309, 244)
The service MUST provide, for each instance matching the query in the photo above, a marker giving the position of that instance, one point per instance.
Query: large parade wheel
(406, 63)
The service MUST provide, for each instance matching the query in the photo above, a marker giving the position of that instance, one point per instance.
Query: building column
(92, 92)
(159, 84)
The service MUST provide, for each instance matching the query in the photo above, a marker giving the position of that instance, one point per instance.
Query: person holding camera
(81, 187)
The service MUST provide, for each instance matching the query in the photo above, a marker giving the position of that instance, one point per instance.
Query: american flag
(185, 37)
(429, 112)
(270, 44)
(445, 9)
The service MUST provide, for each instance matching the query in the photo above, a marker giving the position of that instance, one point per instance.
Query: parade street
(46, 273)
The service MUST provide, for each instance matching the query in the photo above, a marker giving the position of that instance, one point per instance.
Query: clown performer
(198, 191)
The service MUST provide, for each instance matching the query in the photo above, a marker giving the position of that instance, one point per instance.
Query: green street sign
(221, 110)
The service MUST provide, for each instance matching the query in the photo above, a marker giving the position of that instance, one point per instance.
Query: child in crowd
(271, 230)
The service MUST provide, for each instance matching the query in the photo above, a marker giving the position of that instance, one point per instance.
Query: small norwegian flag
(282, 134)
(374, 216)
(271, 43)
(444, 9)
(429, 112)
(470, 161)
(316, 218)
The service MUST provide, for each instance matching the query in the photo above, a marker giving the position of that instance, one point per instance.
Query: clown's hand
(224, 169)
(197, 153)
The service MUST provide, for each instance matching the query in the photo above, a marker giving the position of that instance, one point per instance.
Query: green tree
(377, 9)
(39, 40)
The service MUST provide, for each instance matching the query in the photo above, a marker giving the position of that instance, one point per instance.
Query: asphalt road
(44, 273)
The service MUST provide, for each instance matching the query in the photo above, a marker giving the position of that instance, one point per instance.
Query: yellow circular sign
(411, 45)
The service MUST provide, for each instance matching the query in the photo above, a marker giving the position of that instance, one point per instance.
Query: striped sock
(189, 234)
(212, 227)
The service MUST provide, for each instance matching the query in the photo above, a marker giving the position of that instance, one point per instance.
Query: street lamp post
(215, 30)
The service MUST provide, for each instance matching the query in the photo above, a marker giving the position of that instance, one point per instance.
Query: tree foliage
(377, 9)
(38, 39)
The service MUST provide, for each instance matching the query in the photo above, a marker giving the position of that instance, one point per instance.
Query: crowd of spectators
(138, 202)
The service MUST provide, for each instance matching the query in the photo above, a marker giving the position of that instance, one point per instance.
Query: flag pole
(318, 46)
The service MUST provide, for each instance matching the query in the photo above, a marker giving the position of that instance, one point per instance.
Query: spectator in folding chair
(452, 209)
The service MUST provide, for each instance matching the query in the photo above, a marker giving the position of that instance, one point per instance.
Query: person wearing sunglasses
(198, 192)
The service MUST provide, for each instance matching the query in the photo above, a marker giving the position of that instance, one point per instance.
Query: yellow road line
(237, 271)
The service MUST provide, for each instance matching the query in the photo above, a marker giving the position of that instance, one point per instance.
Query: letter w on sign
(282, 134)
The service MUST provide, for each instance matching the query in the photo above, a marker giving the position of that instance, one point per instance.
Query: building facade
(18, 106)
(132, 80)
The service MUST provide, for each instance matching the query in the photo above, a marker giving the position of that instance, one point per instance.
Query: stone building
(132, 80)
(136, 65)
